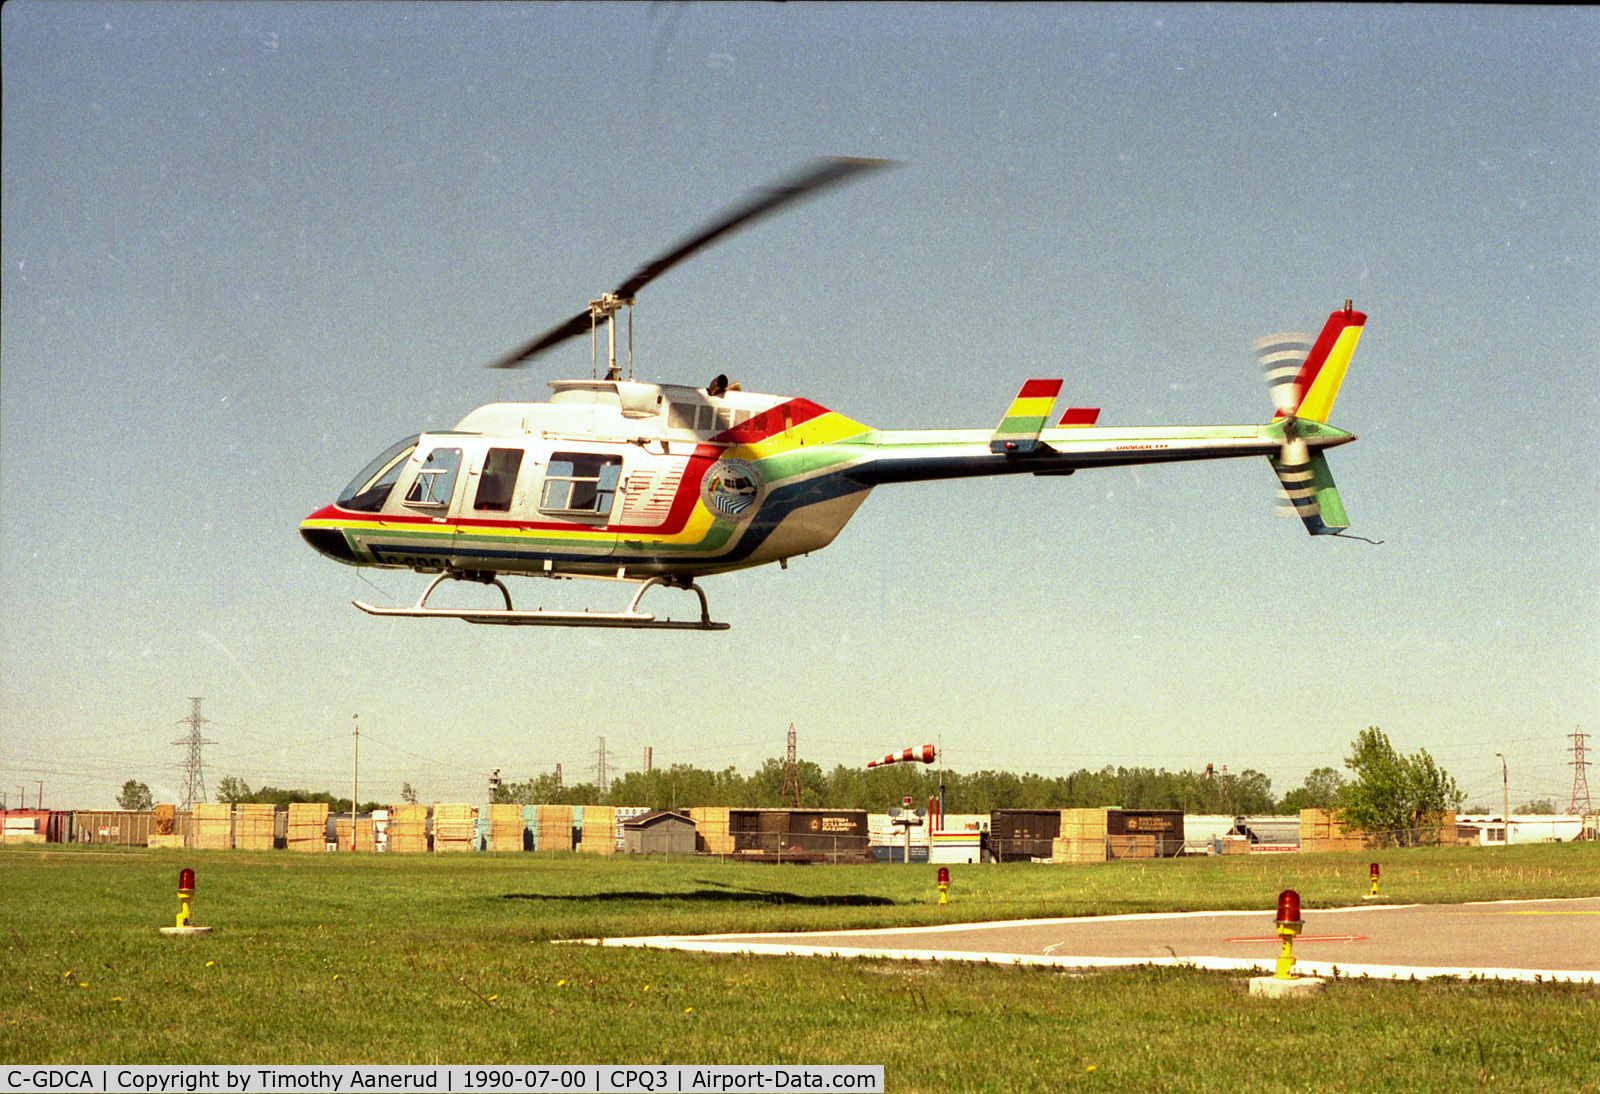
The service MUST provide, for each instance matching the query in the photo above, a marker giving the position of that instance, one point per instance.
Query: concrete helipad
(1507, 940)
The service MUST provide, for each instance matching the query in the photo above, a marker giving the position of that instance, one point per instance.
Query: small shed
(660, 832)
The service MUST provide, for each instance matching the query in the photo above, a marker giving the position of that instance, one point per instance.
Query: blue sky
(246, 246)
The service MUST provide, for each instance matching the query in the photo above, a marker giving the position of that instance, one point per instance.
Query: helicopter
(657, 485)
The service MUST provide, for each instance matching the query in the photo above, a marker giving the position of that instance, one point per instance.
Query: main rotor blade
(817, 176)
(581, 323)
(820, 175)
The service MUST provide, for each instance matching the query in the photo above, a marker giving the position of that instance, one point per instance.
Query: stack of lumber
(711, 835)
(599, 836)
(1083, 837)
(255, 825)
(166, 817)
(308, 826)
(213, 827)
(505, 828)
(1319, 831)
(1132, 846)
(555, 828)
(455, 827)
(365, 841)
(408, 829)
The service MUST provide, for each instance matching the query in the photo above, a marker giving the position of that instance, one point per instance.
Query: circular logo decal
(732, 489)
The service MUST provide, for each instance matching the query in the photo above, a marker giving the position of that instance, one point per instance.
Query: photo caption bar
(496, 1078)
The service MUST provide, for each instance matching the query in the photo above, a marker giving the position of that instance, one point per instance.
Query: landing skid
(509, 616)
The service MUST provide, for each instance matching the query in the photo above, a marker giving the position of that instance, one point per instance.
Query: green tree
(1395, 799)
(233, 790)
(1544, 807)
(408, 794)
(135, 795)
(1319, 791)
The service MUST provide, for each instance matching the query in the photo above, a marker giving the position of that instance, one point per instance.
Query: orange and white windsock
(925, 754)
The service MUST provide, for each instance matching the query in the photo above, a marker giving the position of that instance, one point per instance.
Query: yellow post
(1286, 931)
(944, 885)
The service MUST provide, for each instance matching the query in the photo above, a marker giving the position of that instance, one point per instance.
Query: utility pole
(194, 766)
(355, 781)
(1581, 802)
(1505, 798)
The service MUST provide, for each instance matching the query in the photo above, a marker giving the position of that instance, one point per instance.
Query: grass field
(344, 959)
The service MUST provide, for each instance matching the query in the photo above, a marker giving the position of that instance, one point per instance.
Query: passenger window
(581, 482)
(680, 415)
(437, 479)
(499, 480)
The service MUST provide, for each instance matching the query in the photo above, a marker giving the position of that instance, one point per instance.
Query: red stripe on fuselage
(771, 422)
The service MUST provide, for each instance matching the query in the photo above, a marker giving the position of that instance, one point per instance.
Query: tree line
(1389, 794)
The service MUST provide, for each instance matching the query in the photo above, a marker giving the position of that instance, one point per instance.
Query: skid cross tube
(509, 616)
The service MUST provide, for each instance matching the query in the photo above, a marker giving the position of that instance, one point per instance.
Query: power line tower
(602, 780)
(791, 773)
(1581, 803)
(194, 766)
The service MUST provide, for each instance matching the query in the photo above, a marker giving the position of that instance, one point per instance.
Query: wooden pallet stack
(711, 835)
(213, 827)
(555, 828)
(408, 829)
(599, 833)
(505, 828)
(455, 827)
(308, 826)
(255, 826)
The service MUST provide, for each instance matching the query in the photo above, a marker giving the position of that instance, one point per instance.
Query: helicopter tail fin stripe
(1020, 428)
(1079, 417)
(1325, 366)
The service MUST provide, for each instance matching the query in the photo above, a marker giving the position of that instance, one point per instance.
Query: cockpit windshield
(370, 489)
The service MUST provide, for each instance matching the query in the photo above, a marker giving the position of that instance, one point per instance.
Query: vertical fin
(1020, 428)
(1325, 367)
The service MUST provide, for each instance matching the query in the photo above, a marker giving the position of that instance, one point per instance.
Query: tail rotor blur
(1280, 357)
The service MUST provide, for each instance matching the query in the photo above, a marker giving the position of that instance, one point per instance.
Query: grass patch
(345, 959)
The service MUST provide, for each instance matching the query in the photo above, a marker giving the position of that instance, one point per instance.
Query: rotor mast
(605, 311)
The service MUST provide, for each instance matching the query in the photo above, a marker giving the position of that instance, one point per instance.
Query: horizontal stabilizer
(1080, 417)
(1020, 428)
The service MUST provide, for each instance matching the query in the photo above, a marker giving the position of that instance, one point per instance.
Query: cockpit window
(436, 481)
(581, 482)
(369, 490)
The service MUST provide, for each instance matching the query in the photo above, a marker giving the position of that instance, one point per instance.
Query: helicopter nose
(325, 540)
